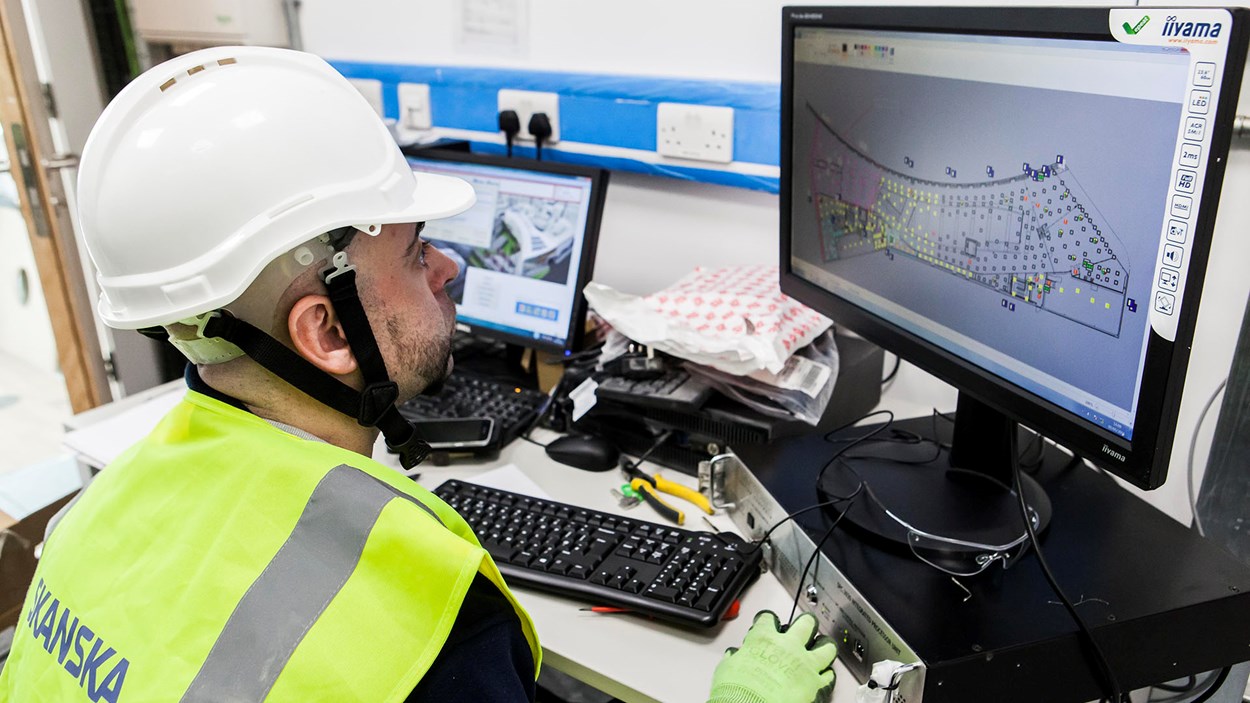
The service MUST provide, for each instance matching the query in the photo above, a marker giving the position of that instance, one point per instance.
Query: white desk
(635, 659)
(631, 658)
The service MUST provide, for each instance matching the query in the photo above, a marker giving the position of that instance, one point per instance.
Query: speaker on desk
(1224, 499)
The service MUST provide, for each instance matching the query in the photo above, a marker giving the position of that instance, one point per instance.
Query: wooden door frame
(24, 117)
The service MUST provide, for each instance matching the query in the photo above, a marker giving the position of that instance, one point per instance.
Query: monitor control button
(1190, 155)
(1177, 231)
(1169, 279)
(1200, 102)
(1195, 128)
(1172, 255)
(1182, 205)
(1186, 181)
(1165, 303)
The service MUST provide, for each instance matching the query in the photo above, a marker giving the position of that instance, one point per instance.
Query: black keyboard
(673, 574)
(677, 389)
(469, 395)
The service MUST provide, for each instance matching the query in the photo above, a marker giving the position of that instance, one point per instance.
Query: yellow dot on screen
(1091, 300)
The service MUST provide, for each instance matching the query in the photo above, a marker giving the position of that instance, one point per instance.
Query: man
(247, 203)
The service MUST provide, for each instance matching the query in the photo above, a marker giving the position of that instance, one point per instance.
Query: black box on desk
(723, 422)
(1162, 602)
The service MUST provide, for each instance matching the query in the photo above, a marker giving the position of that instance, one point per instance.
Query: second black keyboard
(677, 389)
(679, 575)
(466, 394)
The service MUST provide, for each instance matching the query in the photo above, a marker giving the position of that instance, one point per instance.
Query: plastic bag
(734, 319)
(802, 390)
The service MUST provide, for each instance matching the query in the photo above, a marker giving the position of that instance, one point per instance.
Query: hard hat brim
(436, 197)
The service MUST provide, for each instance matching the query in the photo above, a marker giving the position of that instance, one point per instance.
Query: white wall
(642, 37)
(657, 229)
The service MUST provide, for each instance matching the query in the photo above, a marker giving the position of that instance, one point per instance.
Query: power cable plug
(540, 130)
(510, 125)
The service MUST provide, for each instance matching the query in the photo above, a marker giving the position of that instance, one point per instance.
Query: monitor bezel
(1143, 461)
(590, 242)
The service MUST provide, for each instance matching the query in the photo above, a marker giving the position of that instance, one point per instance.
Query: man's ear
(317, 335)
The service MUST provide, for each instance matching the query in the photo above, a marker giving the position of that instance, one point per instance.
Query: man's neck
(269, 397)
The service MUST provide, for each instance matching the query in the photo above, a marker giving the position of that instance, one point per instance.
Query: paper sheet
(509, 478)
(100, 443)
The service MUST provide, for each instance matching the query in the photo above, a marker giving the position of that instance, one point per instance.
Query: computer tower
(698, 435)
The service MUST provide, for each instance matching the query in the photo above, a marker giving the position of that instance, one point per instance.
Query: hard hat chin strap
(380, 392)
(372, 407)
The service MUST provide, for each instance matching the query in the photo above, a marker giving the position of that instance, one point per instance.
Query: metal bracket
(712, 473)
(60, 161)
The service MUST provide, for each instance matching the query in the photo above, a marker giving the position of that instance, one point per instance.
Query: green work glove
(775, 666)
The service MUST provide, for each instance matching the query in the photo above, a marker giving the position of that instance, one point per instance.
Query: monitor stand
(947, 504)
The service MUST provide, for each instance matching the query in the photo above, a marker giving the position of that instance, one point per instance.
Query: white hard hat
(209, 166)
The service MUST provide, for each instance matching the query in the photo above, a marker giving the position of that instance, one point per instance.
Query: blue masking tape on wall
(727, 178)
(745, 95)
(757, 136)
(618, 111)
(610, 121)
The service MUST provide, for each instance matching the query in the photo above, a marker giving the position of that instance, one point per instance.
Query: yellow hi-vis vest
(222, 559)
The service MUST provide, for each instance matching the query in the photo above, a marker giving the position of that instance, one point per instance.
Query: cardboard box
(18, 539)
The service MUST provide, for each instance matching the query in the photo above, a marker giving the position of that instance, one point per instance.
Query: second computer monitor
(525, 249)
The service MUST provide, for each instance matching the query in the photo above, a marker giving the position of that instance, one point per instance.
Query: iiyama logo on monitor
(807, 15)
(1113, 454)
(1175, 28)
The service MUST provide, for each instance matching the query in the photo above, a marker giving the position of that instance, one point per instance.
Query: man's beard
(425, 363)
(436, 386)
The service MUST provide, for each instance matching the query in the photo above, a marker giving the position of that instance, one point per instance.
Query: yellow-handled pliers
(650, 487)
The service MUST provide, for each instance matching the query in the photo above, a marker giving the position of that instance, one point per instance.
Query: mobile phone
(457, 432)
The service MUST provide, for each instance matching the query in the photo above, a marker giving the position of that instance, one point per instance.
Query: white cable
(1193, 441)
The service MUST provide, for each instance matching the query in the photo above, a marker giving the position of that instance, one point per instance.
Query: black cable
(1100, 661)
(591, 353)
(798, 591)
(758, 543)
(531, 440)
(1214, 687)
(894, 371)
(899, 436)
(543, 409)
(820, 491)
(643, 457)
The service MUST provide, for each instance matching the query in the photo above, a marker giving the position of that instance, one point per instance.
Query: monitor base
(913, 499)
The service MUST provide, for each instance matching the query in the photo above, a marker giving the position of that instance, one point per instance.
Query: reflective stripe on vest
(293, 590)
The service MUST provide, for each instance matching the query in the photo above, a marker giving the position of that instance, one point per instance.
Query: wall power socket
(414, 106)
(701, 132)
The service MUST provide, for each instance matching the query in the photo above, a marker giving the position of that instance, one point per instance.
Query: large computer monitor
(526, 249)
(1019, 201)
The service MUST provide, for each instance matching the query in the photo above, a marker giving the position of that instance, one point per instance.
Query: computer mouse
(584, 452)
